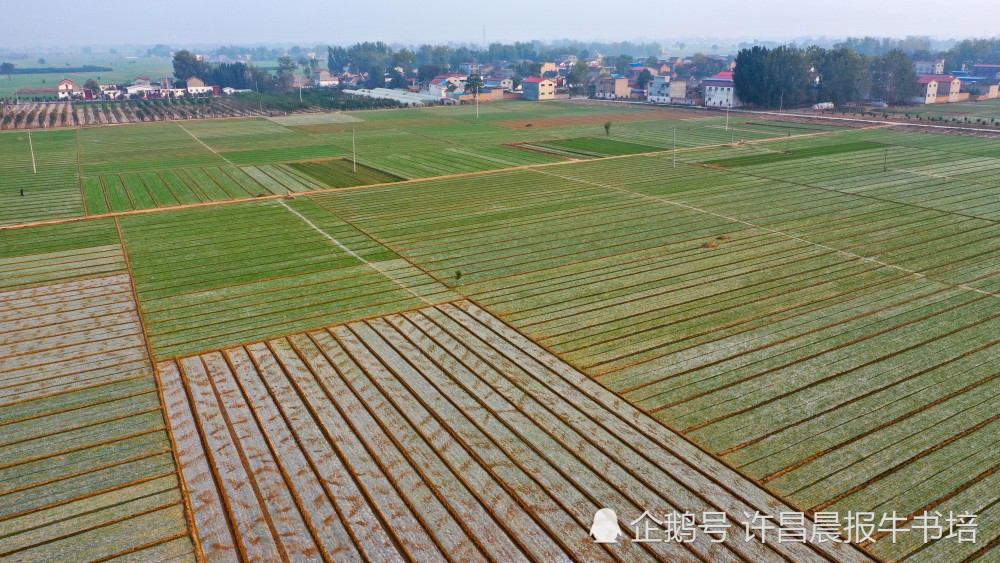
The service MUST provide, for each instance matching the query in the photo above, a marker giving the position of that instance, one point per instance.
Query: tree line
(792, 77)
(239, 75)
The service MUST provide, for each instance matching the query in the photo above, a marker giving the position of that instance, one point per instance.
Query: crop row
(734, 306)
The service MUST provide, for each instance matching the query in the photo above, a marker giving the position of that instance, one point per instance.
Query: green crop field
(817, 307)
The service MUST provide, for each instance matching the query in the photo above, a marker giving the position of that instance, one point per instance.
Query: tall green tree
(894, 80)
(772, 78)
(286, 72)
(93, 86)
(844, 76)
(7, 68)
(645, 77)
(186, 65)
(577, 76)
(336, 59)
(405, 60)
(622, 63)
(427, 72)
(474, 83)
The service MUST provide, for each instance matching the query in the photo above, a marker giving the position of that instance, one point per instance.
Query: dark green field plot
(796, 153)
(217, 276)
(339, 173)
(46, 254)
(591, 147)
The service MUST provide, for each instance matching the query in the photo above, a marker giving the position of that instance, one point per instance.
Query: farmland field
(87, 469)
(446, 416)
(473, 325)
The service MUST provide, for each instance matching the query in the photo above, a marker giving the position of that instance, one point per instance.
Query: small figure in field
(22, 192)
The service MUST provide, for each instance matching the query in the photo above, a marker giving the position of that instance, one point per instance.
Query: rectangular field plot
(590, 147)
(47, 254)
(43, 164)
(137, 148)
(314, 119)
(439, 433)
(838, 348)
(117, 193)
(339, 173)
(218, 276)
(87, 471)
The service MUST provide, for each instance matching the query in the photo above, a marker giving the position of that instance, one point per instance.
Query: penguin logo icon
(605, 528)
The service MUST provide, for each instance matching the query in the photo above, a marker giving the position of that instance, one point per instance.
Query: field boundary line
(203, 143)
(354, 254)
(770, 230)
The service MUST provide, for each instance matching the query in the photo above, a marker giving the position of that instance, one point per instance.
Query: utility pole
(477, 100)
(675, 147)
(781, 101)
(885, 161)
(354, 150)
(300, 93)
(727, 114)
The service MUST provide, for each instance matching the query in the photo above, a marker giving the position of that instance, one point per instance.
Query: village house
(938, 89)
(685, 92)
(324, 79)
(469, 68)
(718, 91)
(443, 84)
(536, 88)
(982, 89)
(497, 83)
(659, 90)
(66, 89)
(548, 67)
(986, 70)
(612, 87)
(929, 67)
(197, 87)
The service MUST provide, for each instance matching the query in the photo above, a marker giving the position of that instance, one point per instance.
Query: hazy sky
(181, 22)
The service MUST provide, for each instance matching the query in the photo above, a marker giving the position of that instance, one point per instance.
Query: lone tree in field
(7, 68)
(607, 127)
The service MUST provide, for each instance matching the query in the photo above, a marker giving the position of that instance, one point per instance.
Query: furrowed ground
(839, 344)
(87, 470)
(102, 170)
(816, 307)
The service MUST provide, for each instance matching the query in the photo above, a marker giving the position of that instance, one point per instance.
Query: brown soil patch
(710, 245)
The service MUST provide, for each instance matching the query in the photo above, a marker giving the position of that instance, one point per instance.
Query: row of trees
(789, 76)
(961, 54)
(243, 76)
(429, 60)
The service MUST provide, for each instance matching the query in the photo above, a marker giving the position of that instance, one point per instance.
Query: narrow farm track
(500, 442)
